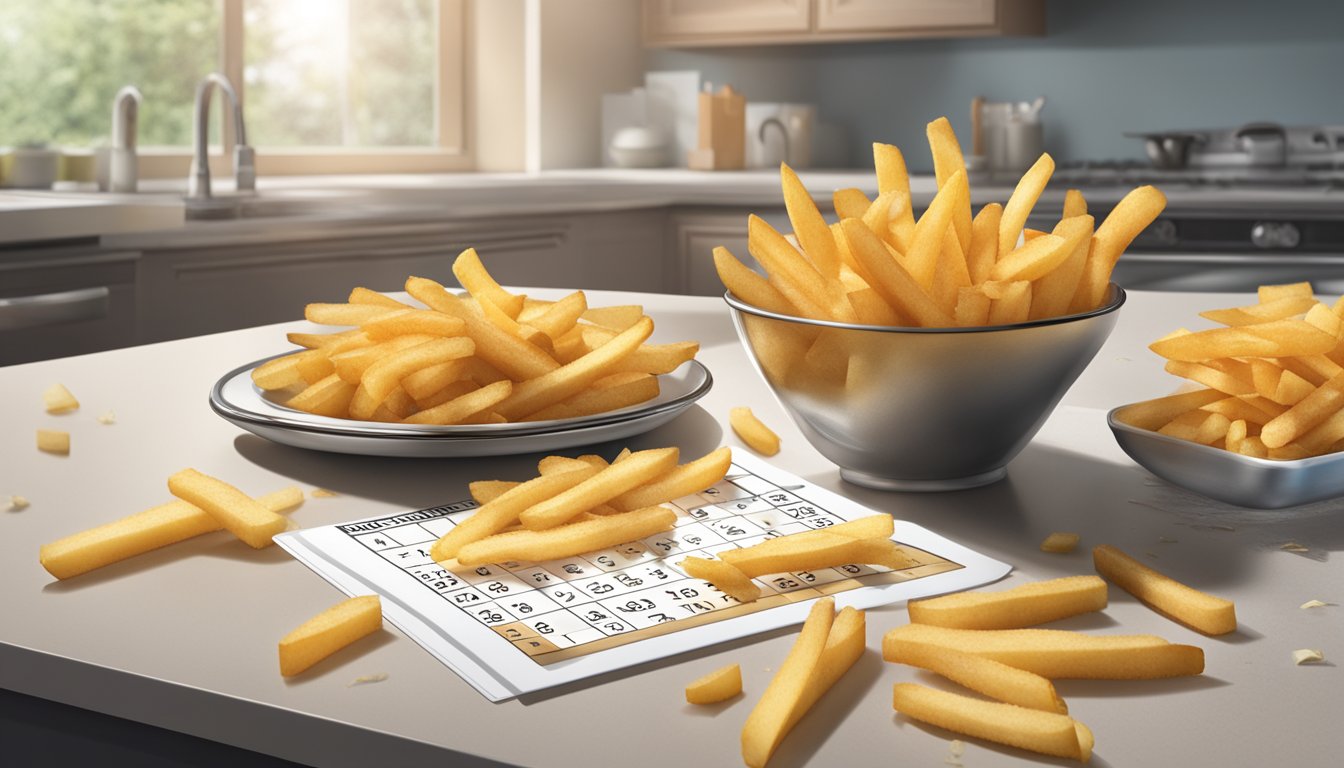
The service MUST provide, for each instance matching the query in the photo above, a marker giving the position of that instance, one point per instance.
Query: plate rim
(373, 429)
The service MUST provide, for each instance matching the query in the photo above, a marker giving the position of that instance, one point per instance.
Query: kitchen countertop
(184, 638)
(288, 203)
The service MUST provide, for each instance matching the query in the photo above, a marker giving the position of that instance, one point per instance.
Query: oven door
(1229, 273)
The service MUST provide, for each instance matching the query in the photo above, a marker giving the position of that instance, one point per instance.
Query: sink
(226, 207)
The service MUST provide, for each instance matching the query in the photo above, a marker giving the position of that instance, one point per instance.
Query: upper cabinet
(687, 23)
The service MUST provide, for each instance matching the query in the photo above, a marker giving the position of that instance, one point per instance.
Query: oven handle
(54, 308)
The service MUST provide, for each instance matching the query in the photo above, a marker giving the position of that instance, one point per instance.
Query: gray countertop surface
(185, 637)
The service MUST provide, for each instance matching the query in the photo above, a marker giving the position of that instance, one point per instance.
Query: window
(327, 85)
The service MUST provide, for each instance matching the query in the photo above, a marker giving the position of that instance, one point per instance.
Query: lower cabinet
(65, 300)
(693, 233)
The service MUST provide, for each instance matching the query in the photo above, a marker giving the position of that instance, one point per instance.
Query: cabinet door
(695, 234)
(61, 304)
(866, 15)
(673, 21)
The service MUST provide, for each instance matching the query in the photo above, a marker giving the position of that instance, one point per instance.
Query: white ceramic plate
(239, 401)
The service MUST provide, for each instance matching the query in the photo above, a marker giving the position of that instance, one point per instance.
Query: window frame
(452, 152)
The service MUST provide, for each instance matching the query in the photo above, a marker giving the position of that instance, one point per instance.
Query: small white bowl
(638, 147)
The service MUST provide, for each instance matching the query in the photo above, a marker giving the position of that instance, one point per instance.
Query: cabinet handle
(54, 308)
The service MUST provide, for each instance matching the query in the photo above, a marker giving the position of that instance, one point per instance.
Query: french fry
(1271, 293)
(329, 397)
(503, 511)
(1048, 733)
(1074, 204)
(1020, 203)
(450, 391)
(985, 243)
(927, 242)
(1010, 302)
(568, 540)
(1130, 216)
(486, 491)
(1198, 427)
(1206, 613)
(788, 554)
(1058, 654)
(1278, 309)
(994, 679)
(409, 321)
(463, 407)
(646, 358)
(952, 274)
(609, 393)
(607, 484)
(794, 276)
(617, 318)
(57, 399)
(769, 720)
(568, 380)
(55, 441)
(344, 314)
(1033, 603)
(808, 226)
(691, 477)
(1052, 294)
(351, 364)
(471, 273)
(724, 576)
(516, 357)
(328, 632)
(1153, 414)
(748, 286)
(1320, 405)
(893, 283)
(720, 685)
(384, 375)
(362, 295)
(142, 532)
(242, 515)
(753, 431)
(1060, 543)
(947, 162)
(321, 340)
(1039, 257)
(850, 203)
(559, 317)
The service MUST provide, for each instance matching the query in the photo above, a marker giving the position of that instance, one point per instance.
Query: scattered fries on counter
(753, 431)
(329, 632)
(719, 685)
(1204, 612)
(1271, 378)
(880, 266)
(484, 358)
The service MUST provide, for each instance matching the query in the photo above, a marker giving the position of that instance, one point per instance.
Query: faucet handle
(245, 168)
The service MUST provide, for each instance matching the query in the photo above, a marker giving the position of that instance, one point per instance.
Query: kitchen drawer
(62, 302)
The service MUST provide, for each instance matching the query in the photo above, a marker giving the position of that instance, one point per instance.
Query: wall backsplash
(1105, 68)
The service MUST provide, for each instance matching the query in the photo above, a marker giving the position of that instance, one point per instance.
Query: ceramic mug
(778, 133)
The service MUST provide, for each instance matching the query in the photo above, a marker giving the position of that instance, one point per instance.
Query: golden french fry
(892, 282)
(1313, 409)
(1204, 612)
(972, 307)
(808, 226)
(1237, 408)
(344, 314)
(1272, 293)
(748, 286)
(617, 318)
(1130, 216)
(1048, 733)
(1060, 543)
(753, 431)
(450, 391)
(724, 576)
(1277, 338)
(927, 242)
(769, 720)
(646, 358)
(619, 390)
(985, 243)
(329, 397)
(551, 465)
(432, 379)
(891, 174)
(1074, 204)
(486, 491)
(952, 274)
(1053, 293)
(872, 309)
(947, 162)
(516, 357)
(557, 318)
(1020, 203)
(1153, 414)
(1278, 309)
(504, 510)
(408, 321)
(850, 203)
(719, 685)
(242, 515)
(568, 540)
(1238, 431)
(607, 484)
(320, 340)
(1044, 254)
(1010, 302)
(1198, 426)
(992, 678)
(381, 377)
(822, 549)
(328, 632)
(351, 364)
(1034, 603)
(1232, 382)
(1057, 654)
(362, 295)
(471, 273)
(142, 532)
(463, 407)
(568, 380)
(794, 276)
(691, 477)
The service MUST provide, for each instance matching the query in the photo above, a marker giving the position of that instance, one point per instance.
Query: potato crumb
(1293, 546)
(322, 493)
(58, 399)
(17, 503)
(53, 441)
(1312, 604)
(107, 417)
(1060, 543)
(957, 748)
(367, 679)
(1307, 656)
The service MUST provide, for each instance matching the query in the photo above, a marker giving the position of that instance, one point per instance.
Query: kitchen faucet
(123, 175)
(244, 169)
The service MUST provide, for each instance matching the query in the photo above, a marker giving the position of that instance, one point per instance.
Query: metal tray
(1240, 480)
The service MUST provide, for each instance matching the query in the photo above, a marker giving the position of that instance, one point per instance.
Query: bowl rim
(1115, 293)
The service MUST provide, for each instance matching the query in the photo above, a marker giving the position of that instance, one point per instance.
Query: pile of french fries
(577, 505)
(1272, 378)
(878, 265)
(489, 357)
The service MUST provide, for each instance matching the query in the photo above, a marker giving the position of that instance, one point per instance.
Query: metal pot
(1168, 150)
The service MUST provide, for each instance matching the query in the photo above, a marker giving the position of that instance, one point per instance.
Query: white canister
(32, 168)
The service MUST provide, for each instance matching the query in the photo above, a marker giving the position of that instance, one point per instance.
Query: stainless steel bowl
(921, 409)
(1244, 481)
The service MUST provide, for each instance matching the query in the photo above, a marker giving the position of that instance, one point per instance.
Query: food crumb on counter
(1151, 554)
(367, 679)
(1307, 656)
(19, 503)
(1060, 543)
(1293, 546)
(1313, 604)
(107, 418)
(57, 399)
(1166, 540)
(53, 441)
(322, 493)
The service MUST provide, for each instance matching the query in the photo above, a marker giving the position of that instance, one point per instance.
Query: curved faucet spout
(198, 184)
(125, 116)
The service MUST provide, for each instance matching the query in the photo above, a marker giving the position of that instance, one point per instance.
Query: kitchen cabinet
(188, 291)
(65, 300)
(692, 23)
(693, 233)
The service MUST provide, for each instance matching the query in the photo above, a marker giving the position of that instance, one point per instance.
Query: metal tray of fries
(1244, 481)
(235, 398)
